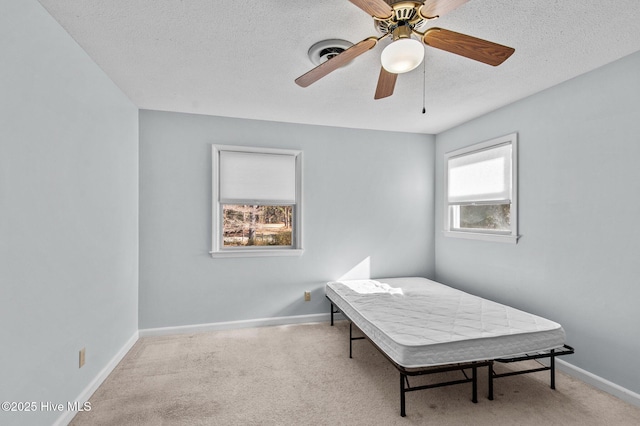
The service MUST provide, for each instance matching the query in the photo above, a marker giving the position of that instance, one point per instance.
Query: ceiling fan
(401, 20)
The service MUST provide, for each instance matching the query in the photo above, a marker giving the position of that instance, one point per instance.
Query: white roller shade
(257, 177)
(481, 176)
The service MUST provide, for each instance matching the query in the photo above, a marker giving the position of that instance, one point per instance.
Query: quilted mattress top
(418, 322)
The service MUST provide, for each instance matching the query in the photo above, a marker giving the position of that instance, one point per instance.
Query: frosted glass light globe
(402, 55)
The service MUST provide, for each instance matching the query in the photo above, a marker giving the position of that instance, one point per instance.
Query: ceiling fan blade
(336, 62)
(467, 46)
(386, 84)
(378, 8)
(434, 8)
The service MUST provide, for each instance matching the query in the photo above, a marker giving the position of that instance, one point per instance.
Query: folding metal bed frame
(468, 369)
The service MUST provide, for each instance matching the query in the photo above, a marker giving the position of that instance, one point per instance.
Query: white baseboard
(230, 325)
(598, 382)
(66, 417)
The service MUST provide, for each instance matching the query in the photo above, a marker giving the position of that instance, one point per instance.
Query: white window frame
(217, 248)
(510, 236)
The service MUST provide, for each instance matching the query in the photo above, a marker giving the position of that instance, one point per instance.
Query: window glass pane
(246, 225)
(492, 216)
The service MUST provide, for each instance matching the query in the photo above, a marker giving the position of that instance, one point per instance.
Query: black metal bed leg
(474, 385)
(552, 369)
(331, 314)
(490, 368)
(402, 392)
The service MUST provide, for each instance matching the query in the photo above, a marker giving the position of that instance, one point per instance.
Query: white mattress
(418, 322)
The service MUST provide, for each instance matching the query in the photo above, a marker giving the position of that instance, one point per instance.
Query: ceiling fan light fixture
(402, 55)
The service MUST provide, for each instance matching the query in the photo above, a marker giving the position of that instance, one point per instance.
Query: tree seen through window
(256, 225)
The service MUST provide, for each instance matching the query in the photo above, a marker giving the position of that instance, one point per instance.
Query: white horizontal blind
(257, 177)
(481, 176)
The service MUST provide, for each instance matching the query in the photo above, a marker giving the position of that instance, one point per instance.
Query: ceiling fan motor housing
(404, 13)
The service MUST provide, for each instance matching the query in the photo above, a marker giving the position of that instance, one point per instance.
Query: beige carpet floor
(302, 375)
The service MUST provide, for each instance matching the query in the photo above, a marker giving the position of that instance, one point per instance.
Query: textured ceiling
(240, 58)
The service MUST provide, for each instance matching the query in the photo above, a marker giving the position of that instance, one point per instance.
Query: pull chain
(424, 86)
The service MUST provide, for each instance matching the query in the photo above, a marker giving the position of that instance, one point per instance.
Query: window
(481, 191)
(257, 205)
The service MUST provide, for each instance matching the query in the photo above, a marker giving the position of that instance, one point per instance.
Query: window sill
(498, 238)
(257, 253)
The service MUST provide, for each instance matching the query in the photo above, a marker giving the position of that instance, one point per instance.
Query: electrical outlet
(307, 296)
(81, 358)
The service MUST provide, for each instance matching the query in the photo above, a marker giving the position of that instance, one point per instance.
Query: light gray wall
(68, 214)
(367, 195)
(578, 259)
